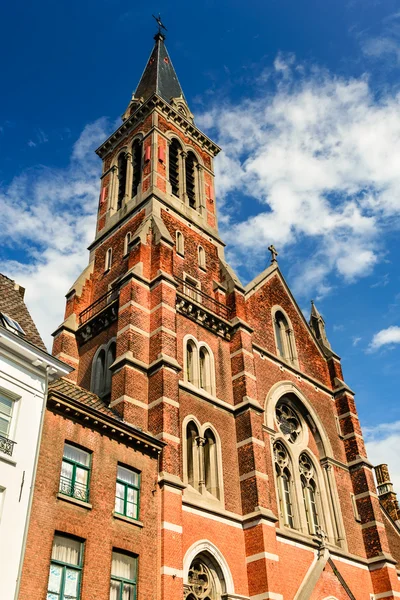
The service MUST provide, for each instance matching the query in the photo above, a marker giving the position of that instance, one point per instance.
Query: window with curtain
(174, 175)
(65, 569)
(123, 576)
(136, 166)
(6, 409)
(122, 168)
(309, 490)
(75, 473)
(127, 492)
(284, 483)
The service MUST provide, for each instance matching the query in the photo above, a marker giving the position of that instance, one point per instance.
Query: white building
(25, 370)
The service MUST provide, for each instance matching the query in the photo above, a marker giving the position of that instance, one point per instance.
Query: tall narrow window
(202, 257)
(205, 369)
(6, 408)
(190, 170)
(180, 243)
(211, 464)
(101, 372)
(108, 261)
(110, 358)
(174, 150)
(75, 473)
(123, 576)
(191, 352)
(309, 490)
(122, 164)
(127, 493)
(192, 455)
(136, 166)
(284, 338)
(283, 477)
(65, 569)
(127, 241)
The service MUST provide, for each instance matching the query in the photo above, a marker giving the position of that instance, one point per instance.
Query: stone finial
(274, 253)
(317, 325)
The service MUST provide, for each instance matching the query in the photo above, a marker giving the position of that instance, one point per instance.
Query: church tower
(264, 487)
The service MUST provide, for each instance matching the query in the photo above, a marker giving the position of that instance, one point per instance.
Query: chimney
(19, 289)
(387, 496)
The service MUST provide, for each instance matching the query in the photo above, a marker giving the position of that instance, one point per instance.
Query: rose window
(201, 584)
(288, 421)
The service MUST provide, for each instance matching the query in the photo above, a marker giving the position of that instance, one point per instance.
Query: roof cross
(274, 253)
(159, 23)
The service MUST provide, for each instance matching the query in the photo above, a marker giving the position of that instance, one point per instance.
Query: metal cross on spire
(274, 253)
(159, 23)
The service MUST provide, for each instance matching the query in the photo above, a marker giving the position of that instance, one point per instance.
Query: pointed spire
(159, 76)
(317, 325)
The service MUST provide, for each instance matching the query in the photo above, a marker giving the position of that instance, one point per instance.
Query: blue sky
(303, 97)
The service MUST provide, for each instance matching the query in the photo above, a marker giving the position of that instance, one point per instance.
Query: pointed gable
(269, 294)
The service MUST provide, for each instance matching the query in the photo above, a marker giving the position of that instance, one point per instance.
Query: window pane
(66, 550)
(81, 476)
(114, 590)
(55, 578)
(123, 566)
(77, 455)
(71, 584)
(4, 425)
(5, 406)
(119, 505)
(127, 593)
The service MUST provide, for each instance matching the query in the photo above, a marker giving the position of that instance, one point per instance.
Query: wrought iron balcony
(74, 489)
(202, 308)
(6, 445)
(98, 316)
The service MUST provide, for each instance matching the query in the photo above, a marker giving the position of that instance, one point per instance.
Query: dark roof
(159, 76)
(12, 304)
(71, 390)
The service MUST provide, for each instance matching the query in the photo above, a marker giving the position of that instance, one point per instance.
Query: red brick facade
(240, 533)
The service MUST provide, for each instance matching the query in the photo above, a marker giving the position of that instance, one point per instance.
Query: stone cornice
(105, 424)
(170, 113)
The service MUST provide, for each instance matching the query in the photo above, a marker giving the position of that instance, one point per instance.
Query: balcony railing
(6, 445)
(191, 292)
(74, 489)
(95, 308)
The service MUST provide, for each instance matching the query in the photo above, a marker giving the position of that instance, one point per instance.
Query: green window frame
(127, 492)
(123, 576)
(65, 569)
(75, 473)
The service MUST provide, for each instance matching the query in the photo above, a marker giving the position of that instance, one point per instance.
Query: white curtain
(123, 567)
(66, 550)
(128, 476)
(77, 455)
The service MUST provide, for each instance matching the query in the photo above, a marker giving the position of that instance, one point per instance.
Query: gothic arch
(206, 550)
(286, 346)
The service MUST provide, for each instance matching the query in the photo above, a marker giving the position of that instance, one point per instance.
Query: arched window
(190, 169)
(174, 158)
(191, 362)
(201, 257)
(205, 582)
(205, 370)
(192, 455)
(101, 373)
(284, 338)
(127, 241)
(136, 166)
(284, 483)
(122, 166)
(211, 464)
(180, 243)
(108, 261)
(309, 490)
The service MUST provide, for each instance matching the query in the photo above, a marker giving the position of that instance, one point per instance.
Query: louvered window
(174, 149)
(190, 179)
(136, 166)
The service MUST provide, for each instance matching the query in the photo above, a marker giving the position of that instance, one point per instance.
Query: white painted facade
(24, 374)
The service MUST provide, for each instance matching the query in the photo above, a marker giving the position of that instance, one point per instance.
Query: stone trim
(127, 519)
(75, 501)
(168, 436)
(261, 556)
(172, 572)
(163, 399)
(171, 527)
(125, 398)
(253, 474)
(250, 440)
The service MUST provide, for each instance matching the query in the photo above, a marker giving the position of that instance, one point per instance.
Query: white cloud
(320, 154)
(382, 443)
(356, 340)
(48, 215)
(385, 337)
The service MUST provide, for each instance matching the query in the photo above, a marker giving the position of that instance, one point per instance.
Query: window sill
(127, 519)
(86, 505)
(5, 458)
(203, 394)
